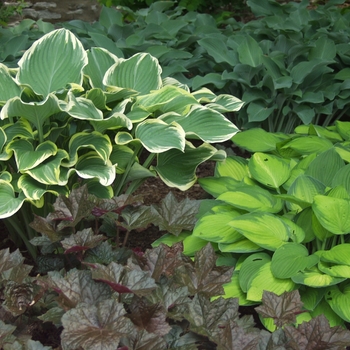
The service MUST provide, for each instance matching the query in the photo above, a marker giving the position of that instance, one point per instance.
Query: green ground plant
(282, 216)
(71, 117)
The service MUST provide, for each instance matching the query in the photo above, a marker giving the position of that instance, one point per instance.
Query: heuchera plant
(71, 117)
(282, 218)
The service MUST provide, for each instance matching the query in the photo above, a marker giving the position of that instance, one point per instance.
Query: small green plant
(10, 9)
(71, 117)
(281, 218)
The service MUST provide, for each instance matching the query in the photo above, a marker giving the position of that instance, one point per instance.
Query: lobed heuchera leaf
(99, 326)
(173, 216)
(283, 309)
(147, 316)
(317, 335)
(10, 260)
(124, 280)
(82, 240)
(6, 331)
(202, 275)
(136, 217)
(142, 340)
(76, 287)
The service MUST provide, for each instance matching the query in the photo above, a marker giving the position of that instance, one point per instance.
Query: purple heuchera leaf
(119, 288)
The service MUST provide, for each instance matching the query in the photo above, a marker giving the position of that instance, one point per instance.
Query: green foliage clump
(281, 218)
(10, 9)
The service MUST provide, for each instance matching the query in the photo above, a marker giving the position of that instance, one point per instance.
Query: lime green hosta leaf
(343, 129)
(140, 72)
(34, 190)
(50, 172)
(315, 278)
(169, 98)
(252, 198)
(269, 170)
(157, 136)
(233, 166)
(90, 166)
(94, 140)
(339, 254)
(296, 232)
(264, 229)
(53, 54)
(242, 246)
(333, 213)
(34, 112)
(8, 87)
(208, 125)
(100, 60)
(27, 157)
(216, 228)
(9, 202)
(82, 108)
(339, 301)
(308, 145)
(342, 178)
(218, 185)
(265, 280)
(291, 258)
(250, 268)
(342, 271)
(192, 244)
(178, 169)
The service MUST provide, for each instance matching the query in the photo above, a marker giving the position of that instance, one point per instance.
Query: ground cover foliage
(274, 236)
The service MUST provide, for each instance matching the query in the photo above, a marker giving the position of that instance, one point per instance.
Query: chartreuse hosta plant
(283, 218)
(70, 117)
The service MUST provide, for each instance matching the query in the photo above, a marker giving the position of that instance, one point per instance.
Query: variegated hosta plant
(71, 116)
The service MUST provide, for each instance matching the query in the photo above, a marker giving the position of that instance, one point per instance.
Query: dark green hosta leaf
(99, 326)
(150, 317)
(123, 280)
(317, 335)
(173, 216)
(76, 287)
(249, 52)
(283, 309)
(82, 240)
(202, 275)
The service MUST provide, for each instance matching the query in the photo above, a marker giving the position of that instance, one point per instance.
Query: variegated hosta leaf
(115, 121)
(53, 54)
(94, 140)
(100, 60)
(168, 136)
(140, 72)
(8, 86)
(91, 166)
(28, 158)
(99, 326)
(10, 203)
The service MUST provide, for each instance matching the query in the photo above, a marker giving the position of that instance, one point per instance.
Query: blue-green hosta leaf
(35, 112)
(140, 72)
(53, 54)
(250, 268)
(216, 228)
(304, 188)
(258, 111)
(218, 185)
(252, 198)
(169, 98)
(34, 190)
(234, 167)
(99, 61)
(50, 172)
(257, 140)
(339, 301)
(91, 165)
(113, 122)
(325, 166)
(242, 246)
(315, 278)
(93, 140)
(207, 124)
(264, 280)
(82, 108)
(98, 97)
(27, 157)
(324, 48)
(333, 213)
(269, 170)
(264, 229)
(169, 136)
(9, 203)
(3, 138)
(249, 52)
(178, 169)
(291, 258)
(210, 78)
(8, 87)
